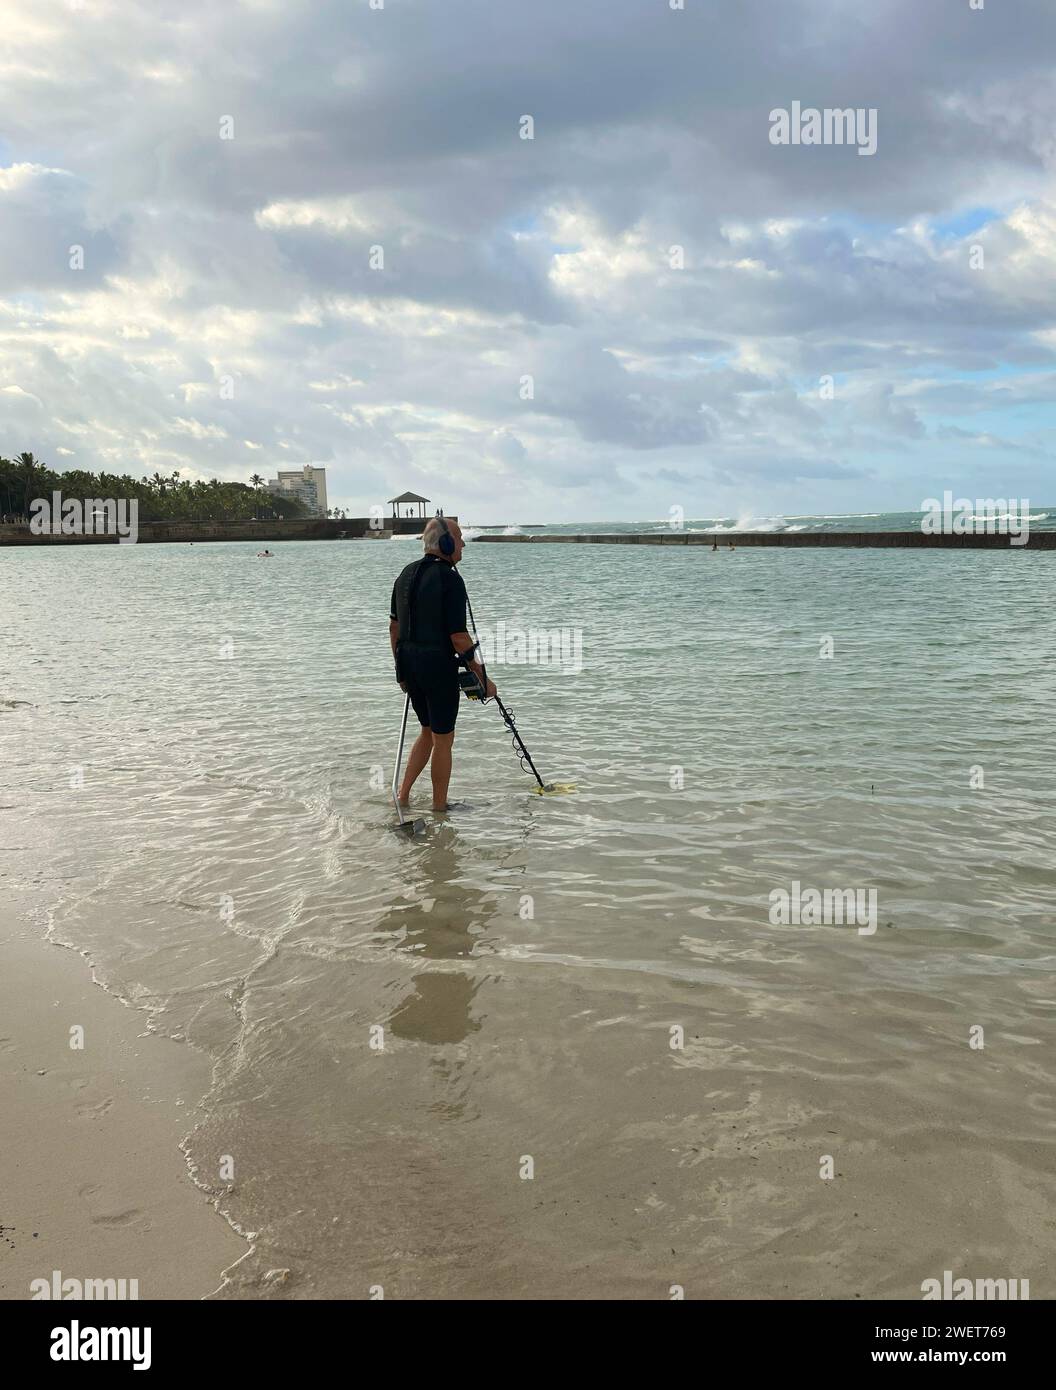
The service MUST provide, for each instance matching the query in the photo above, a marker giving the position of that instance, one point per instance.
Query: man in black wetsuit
(427, 629)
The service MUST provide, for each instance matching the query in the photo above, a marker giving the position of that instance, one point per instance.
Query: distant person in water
(427, 632)
(264, 554)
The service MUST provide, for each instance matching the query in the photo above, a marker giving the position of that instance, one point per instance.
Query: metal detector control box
(470, 684)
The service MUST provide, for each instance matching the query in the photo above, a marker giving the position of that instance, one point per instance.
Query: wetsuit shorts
(431, 676)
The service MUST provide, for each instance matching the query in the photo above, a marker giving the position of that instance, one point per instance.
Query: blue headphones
(446, 543)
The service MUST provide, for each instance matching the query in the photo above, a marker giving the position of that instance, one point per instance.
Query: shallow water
(195, 753)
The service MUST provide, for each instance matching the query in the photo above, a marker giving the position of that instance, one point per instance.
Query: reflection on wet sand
(442, 924)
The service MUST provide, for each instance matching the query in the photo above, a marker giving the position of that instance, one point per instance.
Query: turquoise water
(196, 748)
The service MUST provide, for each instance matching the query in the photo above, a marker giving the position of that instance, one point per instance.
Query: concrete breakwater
(158, 532)
(916, 540)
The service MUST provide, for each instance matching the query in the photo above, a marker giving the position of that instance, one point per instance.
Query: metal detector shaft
(518, 740)
(399, 760)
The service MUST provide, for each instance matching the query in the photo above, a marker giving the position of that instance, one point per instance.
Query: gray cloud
(249, 258)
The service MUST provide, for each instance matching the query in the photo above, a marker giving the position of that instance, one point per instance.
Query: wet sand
(94, 1183)
(652, 1168)
(695, 1168)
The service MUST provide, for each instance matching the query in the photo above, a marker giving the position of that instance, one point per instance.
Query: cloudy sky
(228, 318)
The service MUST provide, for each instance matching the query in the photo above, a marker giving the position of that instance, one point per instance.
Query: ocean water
(555, 1046)
(1040, 518)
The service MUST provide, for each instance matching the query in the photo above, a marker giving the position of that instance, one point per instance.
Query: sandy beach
(94, 1183)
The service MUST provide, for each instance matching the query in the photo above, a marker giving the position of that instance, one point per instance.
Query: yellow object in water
(555, 789)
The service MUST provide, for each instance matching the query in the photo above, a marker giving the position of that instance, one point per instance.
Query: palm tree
(29, 466)
(7, 478)
(256, 483)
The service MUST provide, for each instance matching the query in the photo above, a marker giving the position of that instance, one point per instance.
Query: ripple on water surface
(196, 753)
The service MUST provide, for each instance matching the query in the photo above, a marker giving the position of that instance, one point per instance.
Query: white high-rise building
(308, 484)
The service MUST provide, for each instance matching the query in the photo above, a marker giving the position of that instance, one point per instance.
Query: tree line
(25, 478)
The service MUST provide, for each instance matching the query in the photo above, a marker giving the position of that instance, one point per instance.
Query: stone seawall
(914, 540)
(159, 532)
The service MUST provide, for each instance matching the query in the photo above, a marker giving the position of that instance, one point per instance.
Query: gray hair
(434, 529)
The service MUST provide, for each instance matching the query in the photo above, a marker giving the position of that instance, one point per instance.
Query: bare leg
(441, 769)
(420, 751)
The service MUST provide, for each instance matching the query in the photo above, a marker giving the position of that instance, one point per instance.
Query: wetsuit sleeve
(454, 603)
